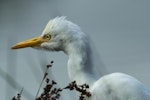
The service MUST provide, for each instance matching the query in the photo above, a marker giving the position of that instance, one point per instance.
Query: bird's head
(57, 34)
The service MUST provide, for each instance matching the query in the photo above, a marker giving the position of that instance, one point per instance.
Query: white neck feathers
(80, 62)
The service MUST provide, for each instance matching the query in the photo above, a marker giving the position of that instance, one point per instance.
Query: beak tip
(13, 47)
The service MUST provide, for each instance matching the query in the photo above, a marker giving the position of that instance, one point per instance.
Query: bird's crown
(60, 25)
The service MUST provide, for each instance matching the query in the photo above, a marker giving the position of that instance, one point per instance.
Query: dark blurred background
(119, 30)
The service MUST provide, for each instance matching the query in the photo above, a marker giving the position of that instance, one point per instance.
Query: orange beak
(28, 43)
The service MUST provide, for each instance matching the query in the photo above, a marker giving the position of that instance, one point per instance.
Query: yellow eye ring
(47, 36)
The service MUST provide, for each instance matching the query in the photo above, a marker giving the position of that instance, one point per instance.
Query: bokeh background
(119, 30)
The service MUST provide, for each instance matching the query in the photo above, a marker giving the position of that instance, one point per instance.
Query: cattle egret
(63, 35)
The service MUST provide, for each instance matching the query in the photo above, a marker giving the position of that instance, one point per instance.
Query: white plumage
(63, 35)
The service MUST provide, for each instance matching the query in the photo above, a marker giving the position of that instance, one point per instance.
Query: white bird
(63, 35)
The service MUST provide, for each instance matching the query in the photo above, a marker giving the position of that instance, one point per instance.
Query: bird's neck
(80, 65)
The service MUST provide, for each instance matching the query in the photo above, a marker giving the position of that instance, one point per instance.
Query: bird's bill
(28, 43)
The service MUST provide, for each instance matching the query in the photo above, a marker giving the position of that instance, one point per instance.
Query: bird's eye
(47, 36)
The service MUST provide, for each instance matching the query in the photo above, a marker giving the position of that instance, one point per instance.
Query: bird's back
(118, 86)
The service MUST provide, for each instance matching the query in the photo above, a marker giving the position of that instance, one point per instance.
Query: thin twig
(45, 74)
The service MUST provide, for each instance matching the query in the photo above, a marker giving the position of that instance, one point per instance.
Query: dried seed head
(59, 90)
(52, 62)
(53, 82)
(14, 98)
(87, 86)
(47, 80)
(81, 97)
(49, 66)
